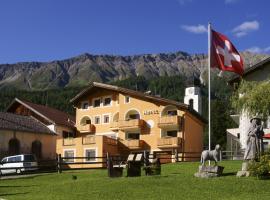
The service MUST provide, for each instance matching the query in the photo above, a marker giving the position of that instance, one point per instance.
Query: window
(13, 159)
(191, 103)
(90, 155)
(85, 105)
(172, 112)
(133, 136)
(238, 135)
(97, 119)
(97, 103)
(172, 133)
(67, 134)
(127, 99)
(29, 158)
(69, 155)
(106, 119)
(107, 101)
(85, 120)
(134, 116)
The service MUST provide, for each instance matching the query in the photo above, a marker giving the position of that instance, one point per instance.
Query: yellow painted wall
(150, 136)
(26, 138)
(79, 149)
(193, 137)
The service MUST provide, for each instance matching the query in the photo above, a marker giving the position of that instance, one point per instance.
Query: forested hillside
(168, 87)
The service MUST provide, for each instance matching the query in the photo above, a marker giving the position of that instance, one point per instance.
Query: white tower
(193, 98)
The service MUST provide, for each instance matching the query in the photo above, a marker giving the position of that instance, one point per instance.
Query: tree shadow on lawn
(229, 174)
(16, 186)
(11, 194)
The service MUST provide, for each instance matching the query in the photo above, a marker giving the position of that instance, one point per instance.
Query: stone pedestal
(244, 172)
(209, 171)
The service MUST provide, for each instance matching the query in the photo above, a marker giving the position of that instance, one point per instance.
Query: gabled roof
(137, 94)
(10, 121)
(50, 114)
(251, 69)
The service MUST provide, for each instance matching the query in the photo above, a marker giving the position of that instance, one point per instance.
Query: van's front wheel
(18, 171)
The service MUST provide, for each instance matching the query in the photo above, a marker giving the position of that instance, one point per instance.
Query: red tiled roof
(56, 116)
(11, 121)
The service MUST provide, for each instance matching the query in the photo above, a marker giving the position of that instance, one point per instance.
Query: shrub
(260, 169)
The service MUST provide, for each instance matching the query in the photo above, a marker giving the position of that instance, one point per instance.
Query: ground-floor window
(132, 136)
(90, 155)
(69, 155)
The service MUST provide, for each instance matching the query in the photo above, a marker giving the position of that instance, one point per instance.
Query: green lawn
(176, 182)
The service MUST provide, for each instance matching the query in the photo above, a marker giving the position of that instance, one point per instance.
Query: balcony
(132, 124)
(86, 128)
(133, 144)
(89, 140)
(110, 141)
(169, 142)
(114, 125)
(169, 121)
(68, 141)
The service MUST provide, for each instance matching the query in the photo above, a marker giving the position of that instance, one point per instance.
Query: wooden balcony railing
(133, 144)
(169, 142)
(169, 121)
(86, 128)
(68, 141)
(114, 125)
(130, 124)
(89, 140)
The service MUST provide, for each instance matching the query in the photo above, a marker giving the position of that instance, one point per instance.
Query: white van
(19, 162)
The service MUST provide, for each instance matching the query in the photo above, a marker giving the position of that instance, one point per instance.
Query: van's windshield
(29, 158)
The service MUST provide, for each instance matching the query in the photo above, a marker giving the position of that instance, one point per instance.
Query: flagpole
(209, 87)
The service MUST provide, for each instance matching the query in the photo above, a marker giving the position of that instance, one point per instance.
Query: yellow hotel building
(118, 121)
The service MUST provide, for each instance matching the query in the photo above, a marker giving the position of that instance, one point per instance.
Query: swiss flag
(224, 55)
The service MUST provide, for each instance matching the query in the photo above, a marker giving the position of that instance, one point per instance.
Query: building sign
(151, 112)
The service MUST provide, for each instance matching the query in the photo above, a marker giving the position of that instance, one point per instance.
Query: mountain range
(80, 70)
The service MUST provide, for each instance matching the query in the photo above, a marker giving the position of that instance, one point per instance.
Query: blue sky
(44, 30)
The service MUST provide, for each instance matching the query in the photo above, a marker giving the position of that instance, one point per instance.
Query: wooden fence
(79, 163)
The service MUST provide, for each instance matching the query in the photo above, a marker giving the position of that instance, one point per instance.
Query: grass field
(176, 182)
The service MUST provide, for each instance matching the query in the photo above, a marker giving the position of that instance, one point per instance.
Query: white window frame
(83, 102)
(125, 99)
(96, 153)
(103, 100)
(95, 119)
(74, 150)
(108, 114)
(93, 102)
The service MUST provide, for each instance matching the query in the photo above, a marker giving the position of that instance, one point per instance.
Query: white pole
(209, 87)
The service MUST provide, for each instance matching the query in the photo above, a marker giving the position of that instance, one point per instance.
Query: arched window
(85, 120)
(37, 149)
(169, 110)
(191, 103)
(116, 117)
(132, 114)
(13, 146)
